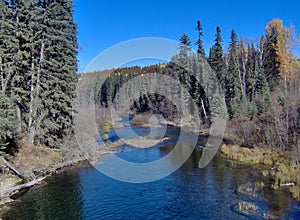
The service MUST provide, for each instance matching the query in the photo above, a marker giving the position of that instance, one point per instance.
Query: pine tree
(233, 88)
(59, 67)
(234, 43)
(185, 48)
(262, 95)
(215, 59)
(199, 42)
(251, 72)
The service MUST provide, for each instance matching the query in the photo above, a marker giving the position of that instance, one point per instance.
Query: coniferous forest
(38, 64)
(259, 80)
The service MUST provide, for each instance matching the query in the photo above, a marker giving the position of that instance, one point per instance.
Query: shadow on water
(58, 198)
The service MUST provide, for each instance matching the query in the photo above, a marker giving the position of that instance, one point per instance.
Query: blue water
(188, 193)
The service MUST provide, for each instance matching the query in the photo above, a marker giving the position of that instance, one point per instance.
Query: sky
(105, 23)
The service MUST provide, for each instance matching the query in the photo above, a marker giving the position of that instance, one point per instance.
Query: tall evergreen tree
(199, 42)
(252, 72)
(8, 45)
(233, 43)
(185, 48)
(183, 58)
(59, 69)
(233, 90)
(270, 61)
(216, 60)
(38, 65)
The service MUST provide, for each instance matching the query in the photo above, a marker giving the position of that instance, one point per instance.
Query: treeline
(38, 64)
(261, 86)
(259, 79)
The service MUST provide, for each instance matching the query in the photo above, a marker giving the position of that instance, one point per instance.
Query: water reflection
(60, 198)
(189, 192)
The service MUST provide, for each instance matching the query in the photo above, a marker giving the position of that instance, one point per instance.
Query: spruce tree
(38, 48)
(233, 90)
(185, 48)
(216, 60)
(251, 72)
(59, 66)
(270, 60)
(199, 42)
(8, 45)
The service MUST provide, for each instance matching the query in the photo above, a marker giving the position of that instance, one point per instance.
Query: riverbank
(281, 169)
(146, 120)
(137, 143)
(275, 161)
(30, 166)
(33, 165)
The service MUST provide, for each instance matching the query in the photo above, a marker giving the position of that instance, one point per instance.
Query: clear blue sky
(104, 23)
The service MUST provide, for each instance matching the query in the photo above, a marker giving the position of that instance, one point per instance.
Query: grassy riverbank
(280, 166)
(29, 166)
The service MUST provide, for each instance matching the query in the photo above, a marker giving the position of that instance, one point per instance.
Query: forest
(38, 65)
(259, 79)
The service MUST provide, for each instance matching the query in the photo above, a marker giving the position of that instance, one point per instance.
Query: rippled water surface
(189, 193)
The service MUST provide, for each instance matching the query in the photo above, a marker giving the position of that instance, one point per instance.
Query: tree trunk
(13, 190)
(19, 118)
(203, 107)
(31, 129)
(286, 107)
(12, 168)
(34, 96)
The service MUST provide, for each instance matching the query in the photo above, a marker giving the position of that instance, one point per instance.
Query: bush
(106, 127)
(141, 119)
(105, 137)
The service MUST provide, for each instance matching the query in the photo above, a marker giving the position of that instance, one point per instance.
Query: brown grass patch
(30, 155)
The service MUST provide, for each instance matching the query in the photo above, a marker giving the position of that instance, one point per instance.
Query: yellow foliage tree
(284, 39)
(283, 46)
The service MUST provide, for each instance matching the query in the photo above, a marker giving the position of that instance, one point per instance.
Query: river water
(188, 193)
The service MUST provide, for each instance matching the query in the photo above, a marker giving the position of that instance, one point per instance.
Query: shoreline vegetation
(278, 165)
(22, 172)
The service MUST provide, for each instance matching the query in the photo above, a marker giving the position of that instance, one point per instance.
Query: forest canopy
(38, 64)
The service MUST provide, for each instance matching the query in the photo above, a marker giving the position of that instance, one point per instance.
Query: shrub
(106, 127)
(105, 137)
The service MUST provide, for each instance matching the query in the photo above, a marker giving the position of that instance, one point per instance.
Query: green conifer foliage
(199, 42)
(216, 60)
(38, 66)
(7, 119)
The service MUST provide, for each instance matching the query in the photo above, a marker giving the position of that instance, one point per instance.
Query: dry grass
(36, 157)
(140, 120)
(254, 155)
(283, 170)
(9, 180)
(147, 120)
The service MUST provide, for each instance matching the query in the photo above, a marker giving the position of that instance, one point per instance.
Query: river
(214, 192)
